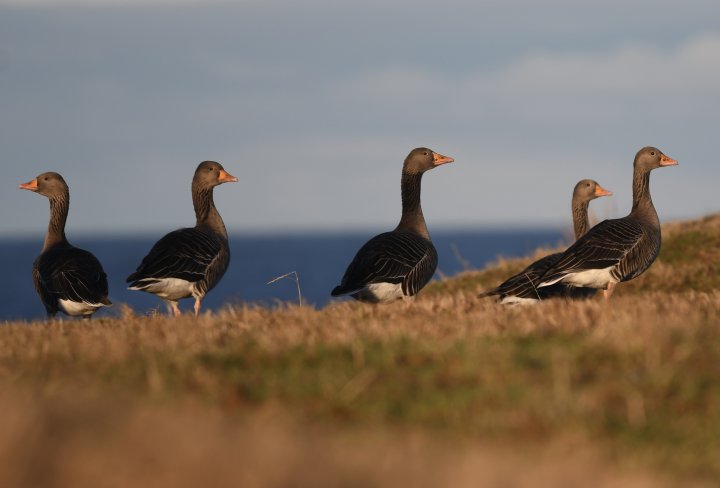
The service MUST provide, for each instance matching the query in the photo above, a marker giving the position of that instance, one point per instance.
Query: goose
(522, 287)
(67, 279)
(189, 262)
(616, 250)
(399, 263)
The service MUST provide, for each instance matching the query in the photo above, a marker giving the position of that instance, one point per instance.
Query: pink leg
(609, 290)
(173, 308)
(197, 306)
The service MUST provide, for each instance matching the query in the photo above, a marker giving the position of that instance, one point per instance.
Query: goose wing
(392, 257)
(525, 283)
(185, 254)
(70, 274)
(615, 244)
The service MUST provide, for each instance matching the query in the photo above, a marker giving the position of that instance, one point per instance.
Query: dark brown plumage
(398, 263)
(67, 279)
(189, 262)
(523, 287)
(618, 249)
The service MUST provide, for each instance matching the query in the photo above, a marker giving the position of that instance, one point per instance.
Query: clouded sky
(315, 104)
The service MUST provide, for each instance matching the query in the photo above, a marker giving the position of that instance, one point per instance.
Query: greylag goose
(522, 287)
(67, 279)
(189, 262)
(399, 263)
(618, 249)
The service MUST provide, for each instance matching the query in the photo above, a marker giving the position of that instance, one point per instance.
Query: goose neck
(412, 216)
(205, 212)
(59, 206)
(642, 200)
(580, 218)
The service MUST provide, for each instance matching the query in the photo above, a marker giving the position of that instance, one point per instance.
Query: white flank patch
(518, 301)
(75, 309)
(591, 278)
(167, 288)
(384, 292)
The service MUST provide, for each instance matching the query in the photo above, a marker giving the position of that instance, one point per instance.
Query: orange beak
(30, 185)
(602, 192)
(226, 177)
(666, 161)
(439, 159)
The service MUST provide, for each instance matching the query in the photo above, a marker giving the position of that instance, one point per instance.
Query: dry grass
(86, 442)
(448, 390)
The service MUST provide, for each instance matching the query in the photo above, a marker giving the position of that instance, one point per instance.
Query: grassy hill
(446, 391)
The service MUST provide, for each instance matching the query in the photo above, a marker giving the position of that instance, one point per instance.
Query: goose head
(48, 184)
(209, 174)
(422, 159)
(649, 158)
(587, 190)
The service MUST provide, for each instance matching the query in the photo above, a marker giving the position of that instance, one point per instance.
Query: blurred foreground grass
(446, 391)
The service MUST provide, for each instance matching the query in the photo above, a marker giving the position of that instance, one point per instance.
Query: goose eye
(652, 153)
(425, 153)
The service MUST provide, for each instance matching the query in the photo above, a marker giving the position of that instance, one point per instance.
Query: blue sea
(319, 261)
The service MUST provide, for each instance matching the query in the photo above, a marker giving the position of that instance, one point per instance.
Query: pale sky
(313, 105)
